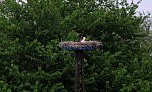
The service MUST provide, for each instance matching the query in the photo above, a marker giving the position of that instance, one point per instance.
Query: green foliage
(30, 59)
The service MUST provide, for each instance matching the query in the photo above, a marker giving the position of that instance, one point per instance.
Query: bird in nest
(83, 40)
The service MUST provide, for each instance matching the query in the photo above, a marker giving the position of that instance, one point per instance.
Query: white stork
(83, 40)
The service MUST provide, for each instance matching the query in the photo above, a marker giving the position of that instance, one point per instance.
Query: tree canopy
(30, 59)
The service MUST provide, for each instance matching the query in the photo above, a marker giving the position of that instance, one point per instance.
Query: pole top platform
(74, 46)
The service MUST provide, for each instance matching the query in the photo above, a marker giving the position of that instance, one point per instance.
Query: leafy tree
(31, 61)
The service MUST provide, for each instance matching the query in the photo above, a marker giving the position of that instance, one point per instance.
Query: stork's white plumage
(83, 40)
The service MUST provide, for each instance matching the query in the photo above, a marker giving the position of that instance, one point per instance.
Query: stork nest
(87, 45)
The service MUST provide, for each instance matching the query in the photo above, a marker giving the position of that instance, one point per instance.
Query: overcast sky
(145, 5)
(1, 0)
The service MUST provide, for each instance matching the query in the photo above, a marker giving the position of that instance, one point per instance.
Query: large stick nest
(86, 45)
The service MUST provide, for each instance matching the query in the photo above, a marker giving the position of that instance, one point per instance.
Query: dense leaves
(30, 59)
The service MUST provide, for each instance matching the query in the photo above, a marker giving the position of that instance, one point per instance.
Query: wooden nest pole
(79, 48)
